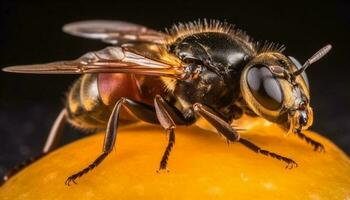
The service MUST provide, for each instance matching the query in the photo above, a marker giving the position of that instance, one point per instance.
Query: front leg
(232, 135)
(317, 146)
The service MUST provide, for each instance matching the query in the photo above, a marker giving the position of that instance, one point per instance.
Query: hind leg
(142, 111)
(56, 132)
(51, 142)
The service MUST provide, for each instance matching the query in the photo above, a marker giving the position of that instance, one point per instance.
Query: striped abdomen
(92, 97)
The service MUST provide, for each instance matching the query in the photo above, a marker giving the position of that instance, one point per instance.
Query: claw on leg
(316, 145)
(290, 163)
(69, 180)
(73, 177)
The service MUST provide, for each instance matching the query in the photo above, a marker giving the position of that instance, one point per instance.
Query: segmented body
(91, 99)
(221, 54)
(203, 68)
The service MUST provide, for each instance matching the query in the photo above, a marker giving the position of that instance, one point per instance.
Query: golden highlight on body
(202, 69)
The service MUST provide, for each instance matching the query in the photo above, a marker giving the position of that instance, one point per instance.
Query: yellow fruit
(202, 166)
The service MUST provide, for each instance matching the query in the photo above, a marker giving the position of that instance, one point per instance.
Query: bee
(205, 69)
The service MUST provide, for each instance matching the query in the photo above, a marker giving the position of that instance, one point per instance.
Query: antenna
(318, 55)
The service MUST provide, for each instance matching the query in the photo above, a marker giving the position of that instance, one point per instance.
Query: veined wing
(114, 32)
(155, 61)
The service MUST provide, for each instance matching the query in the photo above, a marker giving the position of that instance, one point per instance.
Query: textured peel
(202, 166)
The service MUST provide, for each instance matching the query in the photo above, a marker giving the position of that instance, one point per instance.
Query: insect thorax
(221, 57)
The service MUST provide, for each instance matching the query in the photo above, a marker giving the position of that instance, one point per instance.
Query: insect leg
(109, 141)
(51, 142)
(148, 114)
(162, 113)
(142, 111)
(55, 132)
(317, 146)
(165, 119)
(19, 167)
(231, 134)
(165, 115)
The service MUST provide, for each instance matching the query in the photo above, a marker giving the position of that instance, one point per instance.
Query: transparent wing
(114, 32)
(125, 59)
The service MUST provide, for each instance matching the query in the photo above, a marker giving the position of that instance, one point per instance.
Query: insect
(198, 69)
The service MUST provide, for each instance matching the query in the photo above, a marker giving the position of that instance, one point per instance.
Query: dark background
(31, 33)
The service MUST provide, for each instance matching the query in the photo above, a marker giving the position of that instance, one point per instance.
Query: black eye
(298, 65)
(264, 87)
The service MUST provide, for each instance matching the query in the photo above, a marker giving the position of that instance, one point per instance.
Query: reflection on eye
(298, 65)
(264, 87)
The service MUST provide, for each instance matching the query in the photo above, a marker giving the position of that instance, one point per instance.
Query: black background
(31, 33)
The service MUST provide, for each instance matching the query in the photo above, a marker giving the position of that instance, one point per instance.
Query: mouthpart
(300, 119)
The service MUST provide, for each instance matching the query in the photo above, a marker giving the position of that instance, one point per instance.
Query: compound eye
(298, 65)
(264, 87)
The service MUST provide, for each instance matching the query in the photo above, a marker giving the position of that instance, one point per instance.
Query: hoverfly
(202, 69)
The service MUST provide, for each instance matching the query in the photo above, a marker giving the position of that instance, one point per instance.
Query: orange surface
(202, 166)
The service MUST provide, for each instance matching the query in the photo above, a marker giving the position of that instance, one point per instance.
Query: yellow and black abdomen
(84, 105)
(92, 97)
